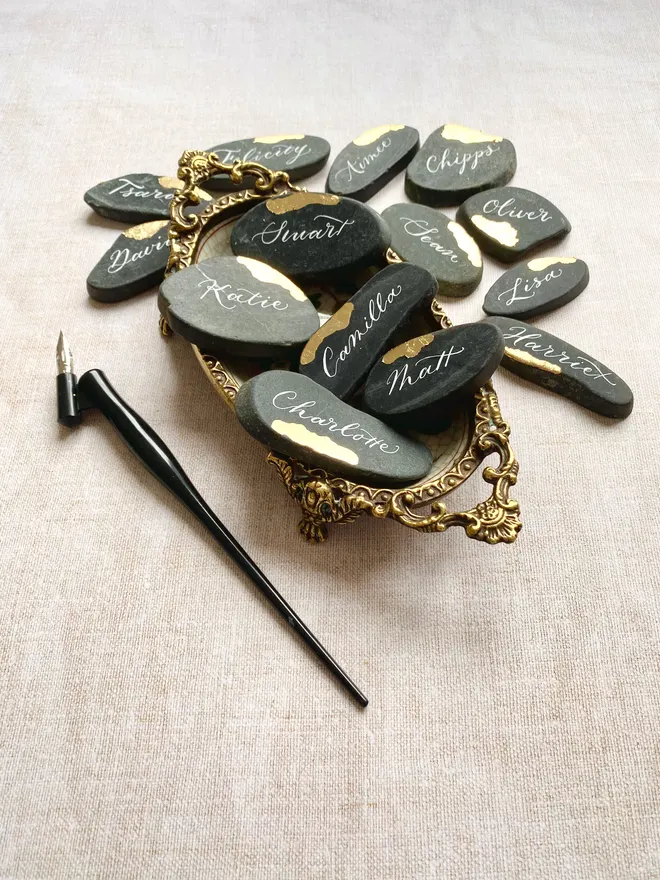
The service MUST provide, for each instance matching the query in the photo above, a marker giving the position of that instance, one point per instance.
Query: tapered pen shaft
(94, 390)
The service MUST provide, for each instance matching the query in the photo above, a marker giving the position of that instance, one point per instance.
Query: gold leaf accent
(500, 230)
(264, 272)
(452, 132)
(301, 435)
(408, 349)
(298, 200)
(543, 262)
(276, 138)
(372, 134)
(339, 321)
(465, 242)
(526, 358)
(145, 230)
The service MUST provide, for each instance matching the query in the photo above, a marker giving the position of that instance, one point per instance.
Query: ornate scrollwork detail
(195, 167)
(321, 502)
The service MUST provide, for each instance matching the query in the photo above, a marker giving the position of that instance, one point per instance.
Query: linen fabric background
(156, 718)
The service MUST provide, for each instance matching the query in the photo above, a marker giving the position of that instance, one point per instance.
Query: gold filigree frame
(324, 498)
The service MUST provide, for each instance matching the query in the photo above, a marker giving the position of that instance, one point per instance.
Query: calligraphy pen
(93, 391)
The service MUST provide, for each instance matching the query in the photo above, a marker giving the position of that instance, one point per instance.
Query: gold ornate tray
(324, 498)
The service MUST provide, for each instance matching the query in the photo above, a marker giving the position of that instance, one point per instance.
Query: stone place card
(456, 162)
(371, 160)
(293, 415)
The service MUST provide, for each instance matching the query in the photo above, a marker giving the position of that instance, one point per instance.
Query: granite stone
(135, 262)
(509, 222)
(312, 235)
(300, 155)
(558, 366)
(538, 286)
(236, 305)
(456, 162)
(136, 198)
(371, 160)
(427, 237)
(419, 383)
(290, 413)
(341, 353)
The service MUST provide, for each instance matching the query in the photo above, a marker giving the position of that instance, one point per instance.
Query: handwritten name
(330, 229)
(123, 257)
(293, 153)
(508, 208)
(423, 230)
(377, 308)
(353, 431)
(241, 296)
(529, 289)
(522, 339)
(435, 164)
(359, 166)
(129, 189)
(401, 378)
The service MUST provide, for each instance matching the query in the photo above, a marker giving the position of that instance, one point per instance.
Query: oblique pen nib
(64, 356)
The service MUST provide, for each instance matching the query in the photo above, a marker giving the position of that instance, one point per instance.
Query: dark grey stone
(312, 235)
(509, 222)
(230, 305)
(299, 155)
(425, 236)
(552, 363)
(293, 415)
(456, 162)
(135, 262)
(135, 198)
(341, 353)
(419, 383)
(371, 160)
(537, 286)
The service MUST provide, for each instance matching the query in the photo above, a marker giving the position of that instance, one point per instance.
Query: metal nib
(64, 356)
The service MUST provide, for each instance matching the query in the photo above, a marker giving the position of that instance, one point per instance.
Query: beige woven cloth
(156, 719)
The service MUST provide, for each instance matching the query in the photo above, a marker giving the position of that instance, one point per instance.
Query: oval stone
(425, 236)
(456, 162)
(300, 155)
(509, 222)
(136, 198)
(293, 415)
(537, 286)
(230, 305)
(312, 235)
(371, 160)
(135, 262)
(550, 362)
(418, 383)
(341, 353)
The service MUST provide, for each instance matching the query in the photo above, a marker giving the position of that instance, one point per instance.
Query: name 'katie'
(241, 296)
(582, 365)
(352, 431)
